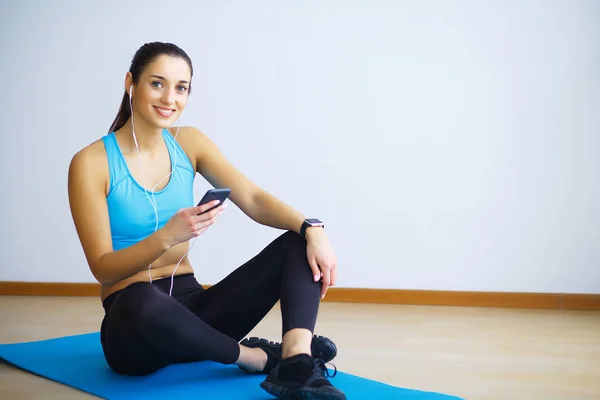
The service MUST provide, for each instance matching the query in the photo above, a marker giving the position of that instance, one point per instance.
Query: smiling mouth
(164, 112)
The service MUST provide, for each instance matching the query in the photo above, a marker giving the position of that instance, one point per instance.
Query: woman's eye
(182, 88)
(156, 84)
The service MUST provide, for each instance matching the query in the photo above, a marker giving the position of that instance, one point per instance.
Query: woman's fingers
(201, 222)
(326, 279)
(314, 267)
(209, 217)
(201, 209)
(333, 275)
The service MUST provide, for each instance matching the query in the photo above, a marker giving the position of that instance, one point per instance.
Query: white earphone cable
(153, 199)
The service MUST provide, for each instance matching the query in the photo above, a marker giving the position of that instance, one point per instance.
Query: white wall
(447, 144)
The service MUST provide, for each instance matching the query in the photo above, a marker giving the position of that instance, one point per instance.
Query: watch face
(313, 221)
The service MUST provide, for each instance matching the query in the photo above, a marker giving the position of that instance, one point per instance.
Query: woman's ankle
(252, 359)
(296, 341)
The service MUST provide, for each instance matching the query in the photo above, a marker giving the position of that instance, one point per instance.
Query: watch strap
(306, 224)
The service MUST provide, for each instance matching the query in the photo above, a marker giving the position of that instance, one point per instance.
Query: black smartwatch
(308, 223)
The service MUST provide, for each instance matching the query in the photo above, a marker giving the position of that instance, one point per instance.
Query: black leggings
(144, 329)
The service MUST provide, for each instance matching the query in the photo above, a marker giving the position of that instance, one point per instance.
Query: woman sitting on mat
(131, 198)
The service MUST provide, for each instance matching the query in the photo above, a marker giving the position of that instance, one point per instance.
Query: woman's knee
(295, 251)
(287, 251)
(132, 312)
(293, 241)
(133, 363)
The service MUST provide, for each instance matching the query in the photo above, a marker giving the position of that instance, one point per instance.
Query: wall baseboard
(551, 301)
(49, 289)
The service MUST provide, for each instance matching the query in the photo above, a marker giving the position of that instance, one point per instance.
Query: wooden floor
(473, 353)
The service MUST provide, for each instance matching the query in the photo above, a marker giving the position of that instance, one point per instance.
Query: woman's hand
(321, 258)
(191, 222)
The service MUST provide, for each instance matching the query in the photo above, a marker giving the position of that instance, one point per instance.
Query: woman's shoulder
(187, 135)
(92, 153)
(91, 159)
(192, 140)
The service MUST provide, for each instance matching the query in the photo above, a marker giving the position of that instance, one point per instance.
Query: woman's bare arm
(87, 199)
(255, 202)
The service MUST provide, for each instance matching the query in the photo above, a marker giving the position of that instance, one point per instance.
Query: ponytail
(122, 116)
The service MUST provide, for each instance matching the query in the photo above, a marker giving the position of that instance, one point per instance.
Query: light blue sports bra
(132, 217)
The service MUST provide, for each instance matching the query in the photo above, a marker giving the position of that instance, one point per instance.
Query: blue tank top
(132, 217)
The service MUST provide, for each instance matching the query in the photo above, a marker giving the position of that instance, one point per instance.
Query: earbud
(131, 91)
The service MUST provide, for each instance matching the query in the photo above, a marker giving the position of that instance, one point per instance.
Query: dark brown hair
(142, 58)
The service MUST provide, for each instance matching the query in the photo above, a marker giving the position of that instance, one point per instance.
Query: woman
(131, 198)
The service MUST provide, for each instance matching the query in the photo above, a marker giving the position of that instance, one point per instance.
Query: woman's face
(162, 91)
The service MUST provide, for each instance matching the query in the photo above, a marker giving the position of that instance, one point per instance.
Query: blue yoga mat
(78, 361)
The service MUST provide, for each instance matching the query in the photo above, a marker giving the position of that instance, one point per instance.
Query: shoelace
(321, 367)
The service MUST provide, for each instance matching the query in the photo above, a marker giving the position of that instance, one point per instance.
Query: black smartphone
(215, 194)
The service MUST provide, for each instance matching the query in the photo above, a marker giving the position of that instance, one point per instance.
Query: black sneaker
(320, 347)
(301, 377)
